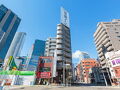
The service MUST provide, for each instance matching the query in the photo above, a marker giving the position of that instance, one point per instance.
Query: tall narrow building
(63, 46)
(16, 45)
(37, 50)
(9, 23)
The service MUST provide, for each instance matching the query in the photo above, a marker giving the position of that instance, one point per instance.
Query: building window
(45, 69)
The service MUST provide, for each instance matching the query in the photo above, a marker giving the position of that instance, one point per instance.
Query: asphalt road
(67, 88)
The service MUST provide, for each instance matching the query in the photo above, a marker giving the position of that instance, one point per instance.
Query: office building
(82, 56)
(50, 46)
(37, 50)
(83, 69)
(9, 23)
(63, 46)
(16, 45)
(107, 39)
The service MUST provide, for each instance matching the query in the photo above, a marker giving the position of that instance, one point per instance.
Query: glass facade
(38, 50)
(3, 10)
(83, 56)
(9, 23)
(16, 45)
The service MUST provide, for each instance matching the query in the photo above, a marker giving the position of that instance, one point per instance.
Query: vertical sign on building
(64, 17)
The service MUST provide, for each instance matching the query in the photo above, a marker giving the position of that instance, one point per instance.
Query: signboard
(64, 17)
(15, 72)
(115, 62)
(44, 74)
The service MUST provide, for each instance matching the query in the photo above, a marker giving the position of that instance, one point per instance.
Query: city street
(65, 88)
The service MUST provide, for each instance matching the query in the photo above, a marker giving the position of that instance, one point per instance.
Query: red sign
(44, 75)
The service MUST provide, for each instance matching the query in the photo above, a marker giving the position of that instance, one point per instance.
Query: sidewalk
(15, 87)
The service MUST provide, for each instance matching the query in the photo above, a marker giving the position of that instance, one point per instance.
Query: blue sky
(40, 18)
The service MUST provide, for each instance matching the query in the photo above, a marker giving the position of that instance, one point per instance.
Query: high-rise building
(16, 45)
(63, 46)
(50, 46)
(9, 23)
(82, 56)
(37, 50)
(107, 39)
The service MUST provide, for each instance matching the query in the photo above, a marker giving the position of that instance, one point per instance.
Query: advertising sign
(44, 74)
(64, 17)
(115, 62)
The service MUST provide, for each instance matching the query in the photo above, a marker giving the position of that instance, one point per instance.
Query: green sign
(15, 72)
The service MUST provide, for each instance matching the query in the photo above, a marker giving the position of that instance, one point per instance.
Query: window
(87, 65)
(8, 22)
(45, 69)
(116, 71)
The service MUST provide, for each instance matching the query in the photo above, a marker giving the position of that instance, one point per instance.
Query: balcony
(59, 27)
(107, 44)
(102, 58)
(102, 62)
(68, 55)
(60, 58)
(100, 50)
(59, 36)
(109, 48)
(59, 46)
(67, 49)
(68, 61)
(100, 54)
(59, 32)
(59, 51)
(59, 41)
(105, 41)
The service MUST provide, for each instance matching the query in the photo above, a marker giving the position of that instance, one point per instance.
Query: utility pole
(105, 79)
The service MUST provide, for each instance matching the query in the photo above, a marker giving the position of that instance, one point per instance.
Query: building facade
(16, 45)
(64, 55)
(9, 23)
(50, 46)
(107, 38)
(96, 76)
(63, 49)
(113, 59)
(44, 70)
(83, 69)
(37, 50)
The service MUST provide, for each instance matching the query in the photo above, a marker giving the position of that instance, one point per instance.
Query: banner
(15, 72)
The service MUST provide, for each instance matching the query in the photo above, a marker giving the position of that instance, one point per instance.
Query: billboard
(64, 17)
(115, 62)
(44, 74)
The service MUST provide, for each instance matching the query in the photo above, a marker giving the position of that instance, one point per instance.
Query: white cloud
(76, 54)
